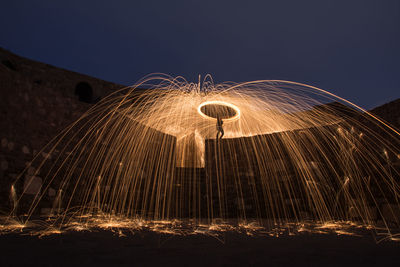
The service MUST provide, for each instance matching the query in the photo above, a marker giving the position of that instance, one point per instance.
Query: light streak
(222, 103)
(148, 160)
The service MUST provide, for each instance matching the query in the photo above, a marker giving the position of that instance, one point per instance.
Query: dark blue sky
(349, 47)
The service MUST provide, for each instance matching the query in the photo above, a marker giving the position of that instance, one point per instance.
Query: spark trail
(292, 154)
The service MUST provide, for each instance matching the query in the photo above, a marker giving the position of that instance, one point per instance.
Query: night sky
(349, 47)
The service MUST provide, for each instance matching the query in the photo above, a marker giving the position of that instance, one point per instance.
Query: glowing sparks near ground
(148, 159)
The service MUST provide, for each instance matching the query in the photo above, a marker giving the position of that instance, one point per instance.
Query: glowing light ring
(222, 103)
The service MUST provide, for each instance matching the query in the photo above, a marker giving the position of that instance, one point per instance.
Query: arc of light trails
(176, 84)
(324, 91)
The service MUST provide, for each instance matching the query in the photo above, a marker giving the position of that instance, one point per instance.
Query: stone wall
(37, 101)
(63, 81)
(275, 175)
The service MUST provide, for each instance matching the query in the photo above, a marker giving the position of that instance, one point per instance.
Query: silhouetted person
(220, 130)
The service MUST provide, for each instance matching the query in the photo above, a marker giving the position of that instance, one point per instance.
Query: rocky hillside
(389, 112)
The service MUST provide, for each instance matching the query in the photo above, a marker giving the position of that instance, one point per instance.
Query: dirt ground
(105, 248)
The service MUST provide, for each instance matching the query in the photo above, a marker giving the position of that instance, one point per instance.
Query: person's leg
(222, 133)
(217, 135)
